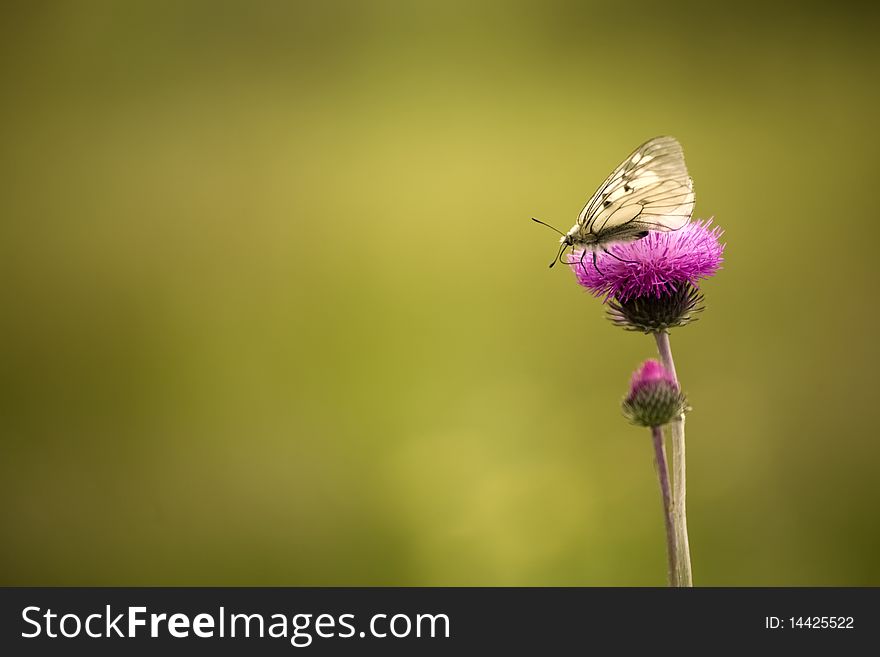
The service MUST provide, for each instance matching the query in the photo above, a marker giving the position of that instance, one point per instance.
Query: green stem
(663, 475)
(684, 576)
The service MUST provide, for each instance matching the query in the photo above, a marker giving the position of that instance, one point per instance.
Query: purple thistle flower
(656, 265)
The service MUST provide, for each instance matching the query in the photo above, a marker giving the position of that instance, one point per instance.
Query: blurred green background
(273, 311)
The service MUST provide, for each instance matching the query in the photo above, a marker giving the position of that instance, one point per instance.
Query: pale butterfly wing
(650, 190)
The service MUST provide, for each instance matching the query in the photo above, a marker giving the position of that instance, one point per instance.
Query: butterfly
(649, 190)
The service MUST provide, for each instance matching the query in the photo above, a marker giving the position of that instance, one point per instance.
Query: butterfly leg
(581, 263)
(595, 261)
(617, 258)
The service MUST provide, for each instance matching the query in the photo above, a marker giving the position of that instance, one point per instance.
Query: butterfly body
(649, 190)
(592, 242)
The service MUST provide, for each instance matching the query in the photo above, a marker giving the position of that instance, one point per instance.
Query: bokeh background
(273, 311)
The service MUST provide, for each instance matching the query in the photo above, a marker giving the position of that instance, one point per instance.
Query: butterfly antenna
(538, 221)
(561, 248)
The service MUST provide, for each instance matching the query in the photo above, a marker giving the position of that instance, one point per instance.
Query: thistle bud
(654, 397)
